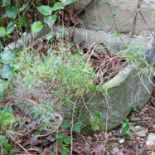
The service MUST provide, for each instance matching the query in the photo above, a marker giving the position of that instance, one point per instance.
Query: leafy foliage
(6, 120)
(19, 14)
(126, 129)
(5, 144)
(36, 26)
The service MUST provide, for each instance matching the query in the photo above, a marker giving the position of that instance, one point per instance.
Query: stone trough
(116, 98)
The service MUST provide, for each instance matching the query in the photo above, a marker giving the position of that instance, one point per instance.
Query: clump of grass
(46, 117)
(70, 74)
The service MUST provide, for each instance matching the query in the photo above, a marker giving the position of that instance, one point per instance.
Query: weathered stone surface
(99, 15)
(125, 91)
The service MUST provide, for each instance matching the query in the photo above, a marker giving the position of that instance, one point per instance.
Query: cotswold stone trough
(116, 98)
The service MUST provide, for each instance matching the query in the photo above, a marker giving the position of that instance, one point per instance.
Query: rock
(150, 142)
(97, 19)
(142, 152)
(141, 133)
(135, 128)
(87, 148)
(117, 133)
(89, 138)
(121, 141)
(138, 128)
(115, 150)
(135, 119)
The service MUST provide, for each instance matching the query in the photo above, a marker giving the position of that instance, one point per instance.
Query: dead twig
(9, 136)
(135, 17)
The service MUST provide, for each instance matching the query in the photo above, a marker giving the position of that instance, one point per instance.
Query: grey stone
(121, 141)
(99, 15)
(142, 133)
(150, 142)
(115, 150)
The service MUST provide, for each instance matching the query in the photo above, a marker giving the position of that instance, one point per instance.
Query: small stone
(121, 141)
(132, 128)
(135, 145)
(141, 133)
(138, 128)
(135, 119)
(150, 142)
(89, 138)
(115, 150)
(87, 147)
(138, 138)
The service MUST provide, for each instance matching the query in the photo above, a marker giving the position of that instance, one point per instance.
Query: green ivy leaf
(10, 28)
(4, 143)
(64, 151)
(77, 127)
(7, 57)
(2, 31)
(22, 21)
(6, 3)
(11, 12)
(36, 26)
(67, 140)
(98, 114)
(49, 37)
(50, 20)
(67, 2)
(24, 7)
(93, 87)
(7, 109)
(57, 6)
(66, 124)
(45, 10)
(6, 119)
